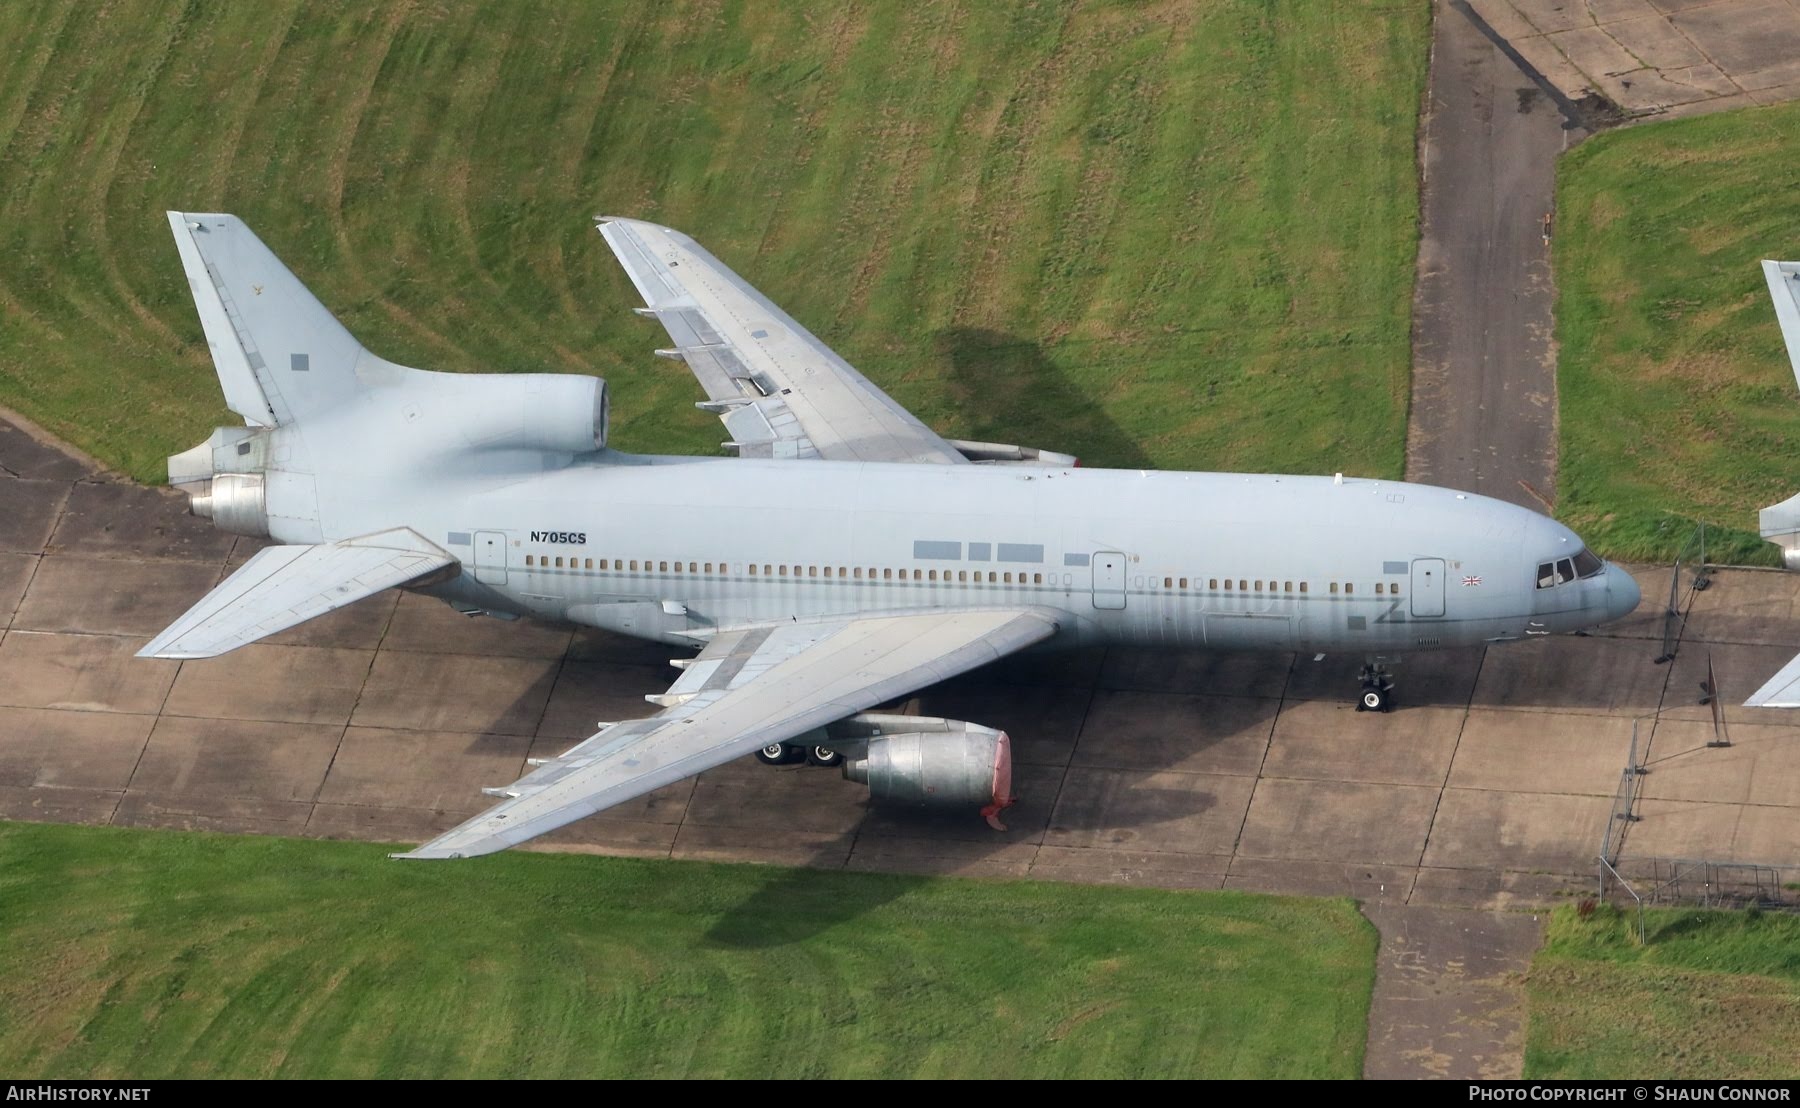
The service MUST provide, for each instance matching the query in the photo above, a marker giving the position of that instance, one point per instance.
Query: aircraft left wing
(781, 392)
(747, 689)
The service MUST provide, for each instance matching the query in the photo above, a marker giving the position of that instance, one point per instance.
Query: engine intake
(923, 762)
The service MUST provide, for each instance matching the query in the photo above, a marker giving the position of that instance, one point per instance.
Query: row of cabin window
(962, 575)
(619, 565)
(1244, 585)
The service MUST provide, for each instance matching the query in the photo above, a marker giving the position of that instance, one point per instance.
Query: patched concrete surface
(1449, 993)
(1490, 789)
(1657, 58)
(1483, 415)
(1492, 786)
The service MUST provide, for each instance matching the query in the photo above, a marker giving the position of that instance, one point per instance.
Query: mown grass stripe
(1089, 188)
(1677, 400)
(165, 954)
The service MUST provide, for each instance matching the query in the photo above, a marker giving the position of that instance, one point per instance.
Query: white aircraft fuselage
(653, 547)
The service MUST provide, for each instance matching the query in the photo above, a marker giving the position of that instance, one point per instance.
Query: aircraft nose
(1622, 593)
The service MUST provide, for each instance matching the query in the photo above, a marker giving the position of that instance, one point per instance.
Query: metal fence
(1693, 559)
(1624, 814)
(1705, 883)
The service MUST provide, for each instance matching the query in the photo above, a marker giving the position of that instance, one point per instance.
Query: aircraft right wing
(781, 392)
(748, 689)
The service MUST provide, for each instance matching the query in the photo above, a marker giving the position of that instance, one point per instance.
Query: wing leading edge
(780, 391)
(746, 690)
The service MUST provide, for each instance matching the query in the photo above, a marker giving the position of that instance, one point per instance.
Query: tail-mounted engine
(223, 478)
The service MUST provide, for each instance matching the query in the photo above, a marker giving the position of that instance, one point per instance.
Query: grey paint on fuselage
(845, 557)
(823, 520)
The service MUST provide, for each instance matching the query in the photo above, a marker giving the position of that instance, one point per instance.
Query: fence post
(1721, 737)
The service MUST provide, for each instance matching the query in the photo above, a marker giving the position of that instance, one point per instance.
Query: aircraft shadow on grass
(1009, 390)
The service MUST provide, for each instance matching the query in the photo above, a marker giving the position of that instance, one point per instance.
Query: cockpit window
(1564, 570)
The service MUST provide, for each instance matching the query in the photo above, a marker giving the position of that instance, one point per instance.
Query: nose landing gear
(1377, 688)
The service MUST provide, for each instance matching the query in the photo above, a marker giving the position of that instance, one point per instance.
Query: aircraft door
(1109, 580)
(1428, 587)
(490, 557)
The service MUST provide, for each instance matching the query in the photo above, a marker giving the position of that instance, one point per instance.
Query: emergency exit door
(490, 557)
(1428, 587)
(1109, 580)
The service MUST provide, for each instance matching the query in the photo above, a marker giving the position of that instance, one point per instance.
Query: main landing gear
(1377, 688)
(781, 754)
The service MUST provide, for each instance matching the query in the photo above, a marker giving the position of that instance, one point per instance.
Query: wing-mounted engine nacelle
(926, 762)
(1002, 453)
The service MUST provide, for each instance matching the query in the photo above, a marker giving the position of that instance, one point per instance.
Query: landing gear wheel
(823, 756)
(1375, 699)
(1377, 688)
(778, 754)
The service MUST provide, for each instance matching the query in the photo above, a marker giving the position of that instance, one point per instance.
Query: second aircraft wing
(781, 392)
(747, 689)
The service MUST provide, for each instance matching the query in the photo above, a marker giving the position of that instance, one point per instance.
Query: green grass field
(1171, 234)
(165, 954)
(1677, 400)
(1709, 995)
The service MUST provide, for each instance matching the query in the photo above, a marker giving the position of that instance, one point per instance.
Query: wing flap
(770, 684)
(283, 586)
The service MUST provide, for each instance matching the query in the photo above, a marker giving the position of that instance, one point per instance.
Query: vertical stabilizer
(279, 354)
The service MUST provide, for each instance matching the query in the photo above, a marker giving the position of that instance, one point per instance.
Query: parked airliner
(839, 557)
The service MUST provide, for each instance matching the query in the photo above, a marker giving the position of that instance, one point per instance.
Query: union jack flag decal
(1471, 582)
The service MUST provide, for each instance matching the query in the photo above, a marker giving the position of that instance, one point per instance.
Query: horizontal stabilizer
(1784, 289)
(287, 585)
(1779, 691)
